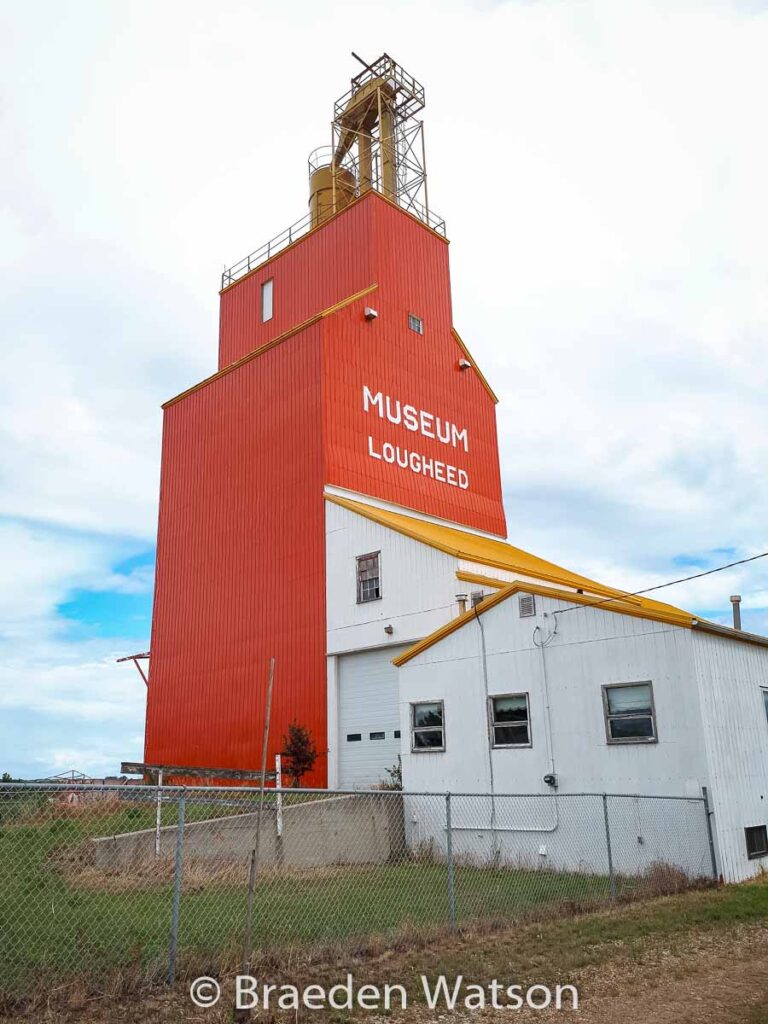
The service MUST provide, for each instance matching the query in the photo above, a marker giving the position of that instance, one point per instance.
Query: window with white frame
(369, 577)
(266, 301)
(510, 720)
(630, 716)
(427, 726)
(415, 323)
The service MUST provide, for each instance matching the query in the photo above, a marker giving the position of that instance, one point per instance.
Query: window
(416, 323)
(427, 731)
(757, 841)
(630, 716)
(510, 721)
(765, 701)
(376, 736)
(526, 604)
(368, 578)
(266, 301)
(397, 734)
(354, 737)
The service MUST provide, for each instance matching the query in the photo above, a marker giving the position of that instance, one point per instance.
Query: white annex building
(489, 670)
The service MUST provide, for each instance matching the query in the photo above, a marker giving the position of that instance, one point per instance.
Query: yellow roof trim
(453, 625)
(483, 581)
(498, 554)
(683, 620)
(271, 344)
(494, 581)
(475, 367)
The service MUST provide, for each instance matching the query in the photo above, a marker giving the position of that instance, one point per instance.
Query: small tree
(299, 752)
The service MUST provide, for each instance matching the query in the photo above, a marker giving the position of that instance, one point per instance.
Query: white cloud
(601, 168)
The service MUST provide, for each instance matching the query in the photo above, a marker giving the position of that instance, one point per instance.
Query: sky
(601, 167)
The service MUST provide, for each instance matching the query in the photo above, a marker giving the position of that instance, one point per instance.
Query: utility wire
(671, 583)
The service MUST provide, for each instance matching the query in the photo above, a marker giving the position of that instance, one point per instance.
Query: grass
(53, 921)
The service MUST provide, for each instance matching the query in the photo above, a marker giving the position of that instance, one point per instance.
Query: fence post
(710, 836)
(611, 876)
(176, 905)
(159, 811)
(449, 858)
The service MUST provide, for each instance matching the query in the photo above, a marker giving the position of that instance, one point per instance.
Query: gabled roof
(498, 554)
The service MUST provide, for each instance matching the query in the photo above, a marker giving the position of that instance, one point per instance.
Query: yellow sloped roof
(500, 555)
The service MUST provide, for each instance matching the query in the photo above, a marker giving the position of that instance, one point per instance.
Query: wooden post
(255, 851)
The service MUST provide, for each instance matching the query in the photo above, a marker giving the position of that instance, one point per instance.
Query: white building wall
(736, 736)
(592, 647)
(418, 585)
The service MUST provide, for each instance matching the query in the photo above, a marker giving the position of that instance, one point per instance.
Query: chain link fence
(154, 883)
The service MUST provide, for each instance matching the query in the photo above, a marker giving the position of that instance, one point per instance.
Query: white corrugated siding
(731, 675)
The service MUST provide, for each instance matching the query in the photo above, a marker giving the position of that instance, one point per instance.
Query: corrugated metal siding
(419, 370)
(731, 676)
(240, 565)
(317, 272)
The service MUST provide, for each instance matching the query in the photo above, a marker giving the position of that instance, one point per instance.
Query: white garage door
(369, 720)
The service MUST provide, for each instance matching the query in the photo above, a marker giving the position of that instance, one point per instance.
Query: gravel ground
(706, 976)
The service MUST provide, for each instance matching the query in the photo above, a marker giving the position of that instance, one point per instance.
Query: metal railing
(295, 231)
(91, 884)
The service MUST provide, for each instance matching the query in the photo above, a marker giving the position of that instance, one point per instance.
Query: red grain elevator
(338, 367)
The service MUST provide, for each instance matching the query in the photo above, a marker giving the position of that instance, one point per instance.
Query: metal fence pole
(176, 905)
(710, 836)
(159, 812)
(611, 876)
(449, 858)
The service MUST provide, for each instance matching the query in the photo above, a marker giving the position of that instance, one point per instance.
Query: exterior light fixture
(369, 313)
(464, 364)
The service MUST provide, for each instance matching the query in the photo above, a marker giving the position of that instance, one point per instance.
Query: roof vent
(527, 605)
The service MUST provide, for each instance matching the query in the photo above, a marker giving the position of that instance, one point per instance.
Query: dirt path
(704, 977)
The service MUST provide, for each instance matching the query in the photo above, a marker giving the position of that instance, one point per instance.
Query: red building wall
(246, 457)
(240, 565)
(323, 268)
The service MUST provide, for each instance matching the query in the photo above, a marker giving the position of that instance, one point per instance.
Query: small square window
(266, 301)
(415, 323)
(510, 720)
(354, 737)
(397, 734)
(757, 841)
(368, 577)
(630, 716)
(427, 726)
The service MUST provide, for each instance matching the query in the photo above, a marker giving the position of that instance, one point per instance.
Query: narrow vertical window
(765, 700)
(368, 577)
(427, 724)
(266, 301)
(415, 323)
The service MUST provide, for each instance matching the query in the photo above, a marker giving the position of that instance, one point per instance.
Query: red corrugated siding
(241, 565)
(241, 545)
(322, 269)
(411, 267)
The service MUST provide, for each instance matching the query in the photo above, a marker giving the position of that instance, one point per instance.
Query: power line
(671, 583)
